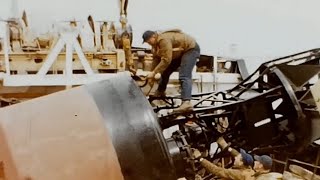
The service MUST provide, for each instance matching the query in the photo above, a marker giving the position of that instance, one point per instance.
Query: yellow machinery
(73, 53)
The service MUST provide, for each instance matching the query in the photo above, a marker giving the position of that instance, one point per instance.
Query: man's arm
(165, 53)
(221, 172)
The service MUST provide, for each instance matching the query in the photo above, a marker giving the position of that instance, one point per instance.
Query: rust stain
(60, 136)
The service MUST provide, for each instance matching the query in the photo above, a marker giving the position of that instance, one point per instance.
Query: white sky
(257, 29)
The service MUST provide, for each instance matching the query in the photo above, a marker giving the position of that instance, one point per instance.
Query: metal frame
(287, 126)
(68, 40)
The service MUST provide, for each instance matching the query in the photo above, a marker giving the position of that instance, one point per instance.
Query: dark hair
(147, 35)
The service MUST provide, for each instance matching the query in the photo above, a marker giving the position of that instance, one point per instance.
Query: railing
(304, 165)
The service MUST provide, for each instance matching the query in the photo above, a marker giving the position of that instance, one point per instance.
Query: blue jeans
(185, 65)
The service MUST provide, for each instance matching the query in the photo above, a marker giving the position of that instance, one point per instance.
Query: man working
(175, 50)
(262, 166)
(126, 44)
(242, 167)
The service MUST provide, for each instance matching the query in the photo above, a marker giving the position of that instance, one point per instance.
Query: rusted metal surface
(61, 136)
(105, 130)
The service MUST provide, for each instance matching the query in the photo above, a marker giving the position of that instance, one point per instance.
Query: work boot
(158, 94)
(185, 107)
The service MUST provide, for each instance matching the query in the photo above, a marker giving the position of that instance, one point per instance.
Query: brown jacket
(171, 45)
(231, 174)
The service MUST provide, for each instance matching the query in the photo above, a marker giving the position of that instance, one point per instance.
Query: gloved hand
(196, 154)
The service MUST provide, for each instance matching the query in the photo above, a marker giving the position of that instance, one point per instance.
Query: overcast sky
(256, 30)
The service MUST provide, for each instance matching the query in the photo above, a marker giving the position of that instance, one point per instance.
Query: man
(262, 166)
(126, 43)
(175, 49)
(242, 169)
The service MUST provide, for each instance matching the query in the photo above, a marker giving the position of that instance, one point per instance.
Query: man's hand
(151, 75)
(132, 70)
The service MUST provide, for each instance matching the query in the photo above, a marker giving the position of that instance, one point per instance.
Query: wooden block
(290, 176)
(306, 174)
